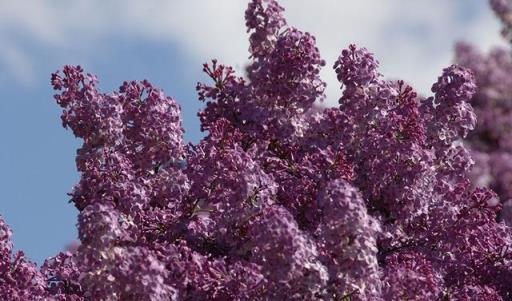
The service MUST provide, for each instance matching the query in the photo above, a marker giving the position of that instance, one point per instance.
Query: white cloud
(412, 39)
(17, 63)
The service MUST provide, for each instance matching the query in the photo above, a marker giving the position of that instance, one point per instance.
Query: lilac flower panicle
(356, 67)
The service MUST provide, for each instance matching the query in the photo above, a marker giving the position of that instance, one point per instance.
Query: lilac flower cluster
(282, 200)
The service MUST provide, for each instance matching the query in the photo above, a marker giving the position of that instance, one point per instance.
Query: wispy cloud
(17, 64)
(412, 39)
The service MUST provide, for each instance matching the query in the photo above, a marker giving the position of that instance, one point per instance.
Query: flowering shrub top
(281, 200)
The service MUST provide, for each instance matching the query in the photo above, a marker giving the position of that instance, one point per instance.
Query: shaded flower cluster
(503, 10)
(491, 141)
(282, 199)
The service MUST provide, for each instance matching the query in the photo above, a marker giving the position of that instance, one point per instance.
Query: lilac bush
(282, 200)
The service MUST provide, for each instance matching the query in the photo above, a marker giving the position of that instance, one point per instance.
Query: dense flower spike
(347, 239)
(452, 91)
(265, 19)
(288, 257)
(283, 79)
(356, 67)
(284, 199)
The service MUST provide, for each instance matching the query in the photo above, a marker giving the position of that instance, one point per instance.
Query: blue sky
(166, 42)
